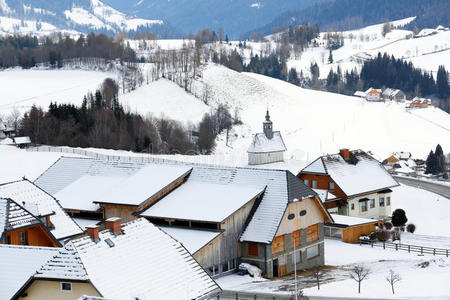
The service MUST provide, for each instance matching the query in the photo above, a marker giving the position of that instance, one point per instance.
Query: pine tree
(443, 89)
(440, 160)
(330, 57)
(431, 163)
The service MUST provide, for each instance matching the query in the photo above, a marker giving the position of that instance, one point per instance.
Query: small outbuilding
(350, 229)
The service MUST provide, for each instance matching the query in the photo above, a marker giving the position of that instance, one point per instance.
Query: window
(306, 181)
(66, 286)
(23, 238)
(381, 201)
(312, 252)
(225, 267)
(314, 184)
(297, 257)
(302, 212)
(331, 185)
(363, 206)
(291, 216)
(252, 249)
(372, 203)
(388, 201)
(312, 233)
(353, 206)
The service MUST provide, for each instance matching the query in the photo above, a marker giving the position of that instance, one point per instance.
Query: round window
(291, 216)
(302, 213)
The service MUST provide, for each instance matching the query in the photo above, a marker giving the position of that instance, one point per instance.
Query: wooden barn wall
(351, 234)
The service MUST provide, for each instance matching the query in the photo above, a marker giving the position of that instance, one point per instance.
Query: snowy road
(439, 189)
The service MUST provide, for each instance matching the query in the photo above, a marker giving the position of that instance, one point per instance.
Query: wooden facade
(322, 182)
(350, 234)
(35, 235)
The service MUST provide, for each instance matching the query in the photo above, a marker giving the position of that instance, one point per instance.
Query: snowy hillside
(314, 122)
(43, 17)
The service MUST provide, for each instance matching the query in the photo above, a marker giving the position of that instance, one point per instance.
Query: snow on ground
(23, 88)
(313, 123)
(16, 163)
(428, 211)
(340, 257)
(163, 97)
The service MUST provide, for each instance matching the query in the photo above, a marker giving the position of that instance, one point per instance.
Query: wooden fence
(406, 247)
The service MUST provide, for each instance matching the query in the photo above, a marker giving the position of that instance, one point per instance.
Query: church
(267, 147)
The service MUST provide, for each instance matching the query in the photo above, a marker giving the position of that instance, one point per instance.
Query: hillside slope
(315, 122)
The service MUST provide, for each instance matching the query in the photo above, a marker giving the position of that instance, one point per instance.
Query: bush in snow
(388, 225)
(411, 228)
(395, 235)
(399, 217)
(383, 235)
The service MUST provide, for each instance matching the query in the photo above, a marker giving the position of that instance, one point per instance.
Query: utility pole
(295, 272)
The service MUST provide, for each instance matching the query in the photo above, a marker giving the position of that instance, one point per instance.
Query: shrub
(395, 235)
(383, 235)
(411, 228)
(399, 217)
(388, 225)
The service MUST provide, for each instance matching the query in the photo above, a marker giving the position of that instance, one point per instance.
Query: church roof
(262, 144)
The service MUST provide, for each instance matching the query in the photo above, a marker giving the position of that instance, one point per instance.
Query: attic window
(291, 216)
(302, 213)
(110, 243)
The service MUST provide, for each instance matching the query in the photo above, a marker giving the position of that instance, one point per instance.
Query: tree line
(28, 51)
(102, 122)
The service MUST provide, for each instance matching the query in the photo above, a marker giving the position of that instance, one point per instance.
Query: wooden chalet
(18, 226)
(360, 184)
(350, 229)
(373, 95)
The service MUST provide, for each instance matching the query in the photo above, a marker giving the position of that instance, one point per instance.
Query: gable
(294, 217)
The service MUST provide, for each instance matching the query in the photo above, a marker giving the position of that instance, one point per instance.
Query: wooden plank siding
(296, 239)
(36, 236)
(312, 233)
(323, 183)
(352, 234)
(252, 249)
(278, 244)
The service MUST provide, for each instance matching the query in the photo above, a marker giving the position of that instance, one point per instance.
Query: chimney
(345, 153)
(92, 231)
(114, 224)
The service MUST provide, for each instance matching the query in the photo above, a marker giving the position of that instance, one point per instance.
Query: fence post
(409, 248)
(421, 250)
(237, 297)
(434, 251)
(446, 253)
(396, 247)
(371, 244)
(384, 245)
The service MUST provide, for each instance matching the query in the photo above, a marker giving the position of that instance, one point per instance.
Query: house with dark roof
(218, 213)
(134, 260)
(360, 184)
(18, 226)
(266, 147)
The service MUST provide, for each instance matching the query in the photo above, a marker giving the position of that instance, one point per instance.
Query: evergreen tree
(431, 163)
(440, 160)
(399, 217)
(442, 86)
(330, 57)
(293, 77)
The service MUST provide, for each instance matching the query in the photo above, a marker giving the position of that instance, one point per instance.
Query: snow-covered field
(23, 88)
(313, 123)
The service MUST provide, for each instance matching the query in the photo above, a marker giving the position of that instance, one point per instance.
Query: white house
(267, 147)
(373, 94)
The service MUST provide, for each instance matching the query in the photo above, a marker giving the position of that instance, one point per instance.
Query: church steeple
(267, 126)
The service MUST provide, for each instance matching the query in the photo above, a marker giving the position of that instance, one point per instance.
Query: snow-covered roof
(282, 187)
(325, 195)
(7, 141)
(316, 166)
(202, 201)
(18, 264)
(83, 183)
(391, 92)
(143, 262)
(262, 144)
(373, 90)
(402, 155)
(13, 216)
(22, 140)
(364, 174)
(30, 196)
(350, 221)
(148, 181)
(83, 223)
(192, 239)
(360, 94)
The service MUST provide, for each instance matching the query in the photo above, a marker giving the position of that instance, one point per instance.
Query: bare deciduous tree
(317, 274)
(359, 274)
(393, 278)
